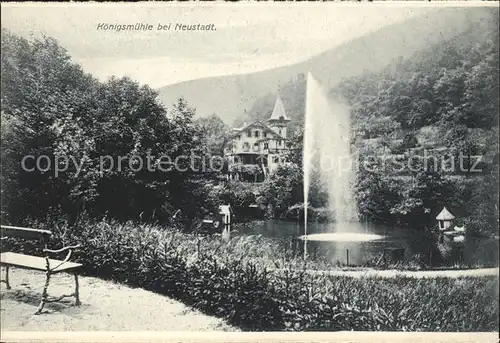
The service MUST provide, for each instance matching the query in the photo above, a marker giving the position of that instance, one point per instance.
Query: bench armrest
(62, 249)
(69, 248)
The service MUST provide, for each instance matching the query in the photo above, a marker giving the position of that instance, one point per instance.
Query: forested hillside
(454, 81)
(233, 95)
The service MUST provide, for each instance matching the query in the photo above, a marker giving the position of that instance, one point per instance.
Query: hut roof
(225, 209)
(445, 215)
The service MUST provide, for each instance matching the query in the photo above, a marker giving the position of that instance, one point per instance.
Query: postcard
(253, 171)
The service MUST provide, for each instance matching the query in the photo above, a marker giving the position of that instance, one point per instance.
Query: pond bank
(392, 273)
(420, 248)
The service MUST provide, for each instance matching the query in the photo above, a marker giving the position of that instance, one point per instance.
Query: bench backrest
(24, 232)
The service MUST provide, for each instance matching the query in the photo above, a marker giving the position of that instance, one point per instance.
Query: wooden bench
(46, 264)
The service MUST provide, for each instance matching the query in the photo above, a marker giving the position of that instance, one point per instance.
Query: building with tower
(258, 148)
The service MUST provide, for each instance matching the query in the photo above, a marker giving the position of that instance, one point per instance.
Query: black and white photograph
(241, 168)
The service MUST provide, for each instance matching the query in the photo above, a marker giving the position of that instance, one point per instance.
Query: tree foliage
(215, 133)
(111, 135)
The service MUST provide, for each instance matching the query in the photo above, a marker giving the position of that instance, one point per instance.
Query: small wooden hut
(444, 219)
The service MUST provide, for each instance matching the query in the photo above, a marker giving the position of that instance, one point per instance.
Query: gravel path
(106, 306)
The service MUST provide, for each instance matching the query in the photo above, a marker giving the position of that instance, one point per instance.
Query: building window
(246, 146)
(249, 133)
(256, 146)
(238, 137)
(266, 146)
(256, 133)
(276, 159)
(265, 134)
(280, 132)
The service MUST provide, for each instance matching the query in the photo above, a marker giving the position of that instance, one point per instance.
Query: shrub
(317, 214)
(239, 195)
(476, 226)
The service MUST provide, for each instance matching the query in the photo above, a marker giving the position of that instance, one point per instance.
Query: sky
(248, 37)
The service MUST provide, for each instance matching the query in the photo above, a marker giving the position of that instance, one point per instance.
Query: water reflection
(341, 237)
(417, 245)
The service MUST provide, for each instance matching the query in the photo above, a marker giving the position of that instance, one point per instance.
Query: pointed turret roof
(445, 215)
(278, 111)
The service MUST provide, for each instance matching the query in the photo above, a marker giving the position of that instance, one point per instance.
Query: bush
(224, 280)
(237, 194)
(475, 226)
(316, 214)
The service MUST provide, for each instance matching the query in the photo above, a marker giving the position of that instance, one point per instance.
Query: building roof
(277, 115)
(245, 124)
(255, 124)
(278, 111)
(445, 215)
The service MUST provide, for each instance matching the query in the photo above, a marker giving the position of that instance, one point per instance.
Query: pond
(417, 245)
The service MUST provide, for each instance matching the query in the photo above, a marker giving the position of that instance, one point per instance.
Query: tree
(465, 145)
(283, 188)
(377, 191)
(112, 137)
(409, 142)
(239, 195)
(214, 133)
(41, 90)
(296, 147)
(420, 203)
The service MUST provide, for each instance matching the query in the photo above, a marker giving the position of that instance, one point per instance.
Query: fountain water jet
(307, 154)
(327, 144)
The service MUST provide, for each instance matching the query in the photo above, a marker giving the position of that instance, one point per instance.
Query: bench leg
(44, 293)
(7, 277)
(77, 290)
